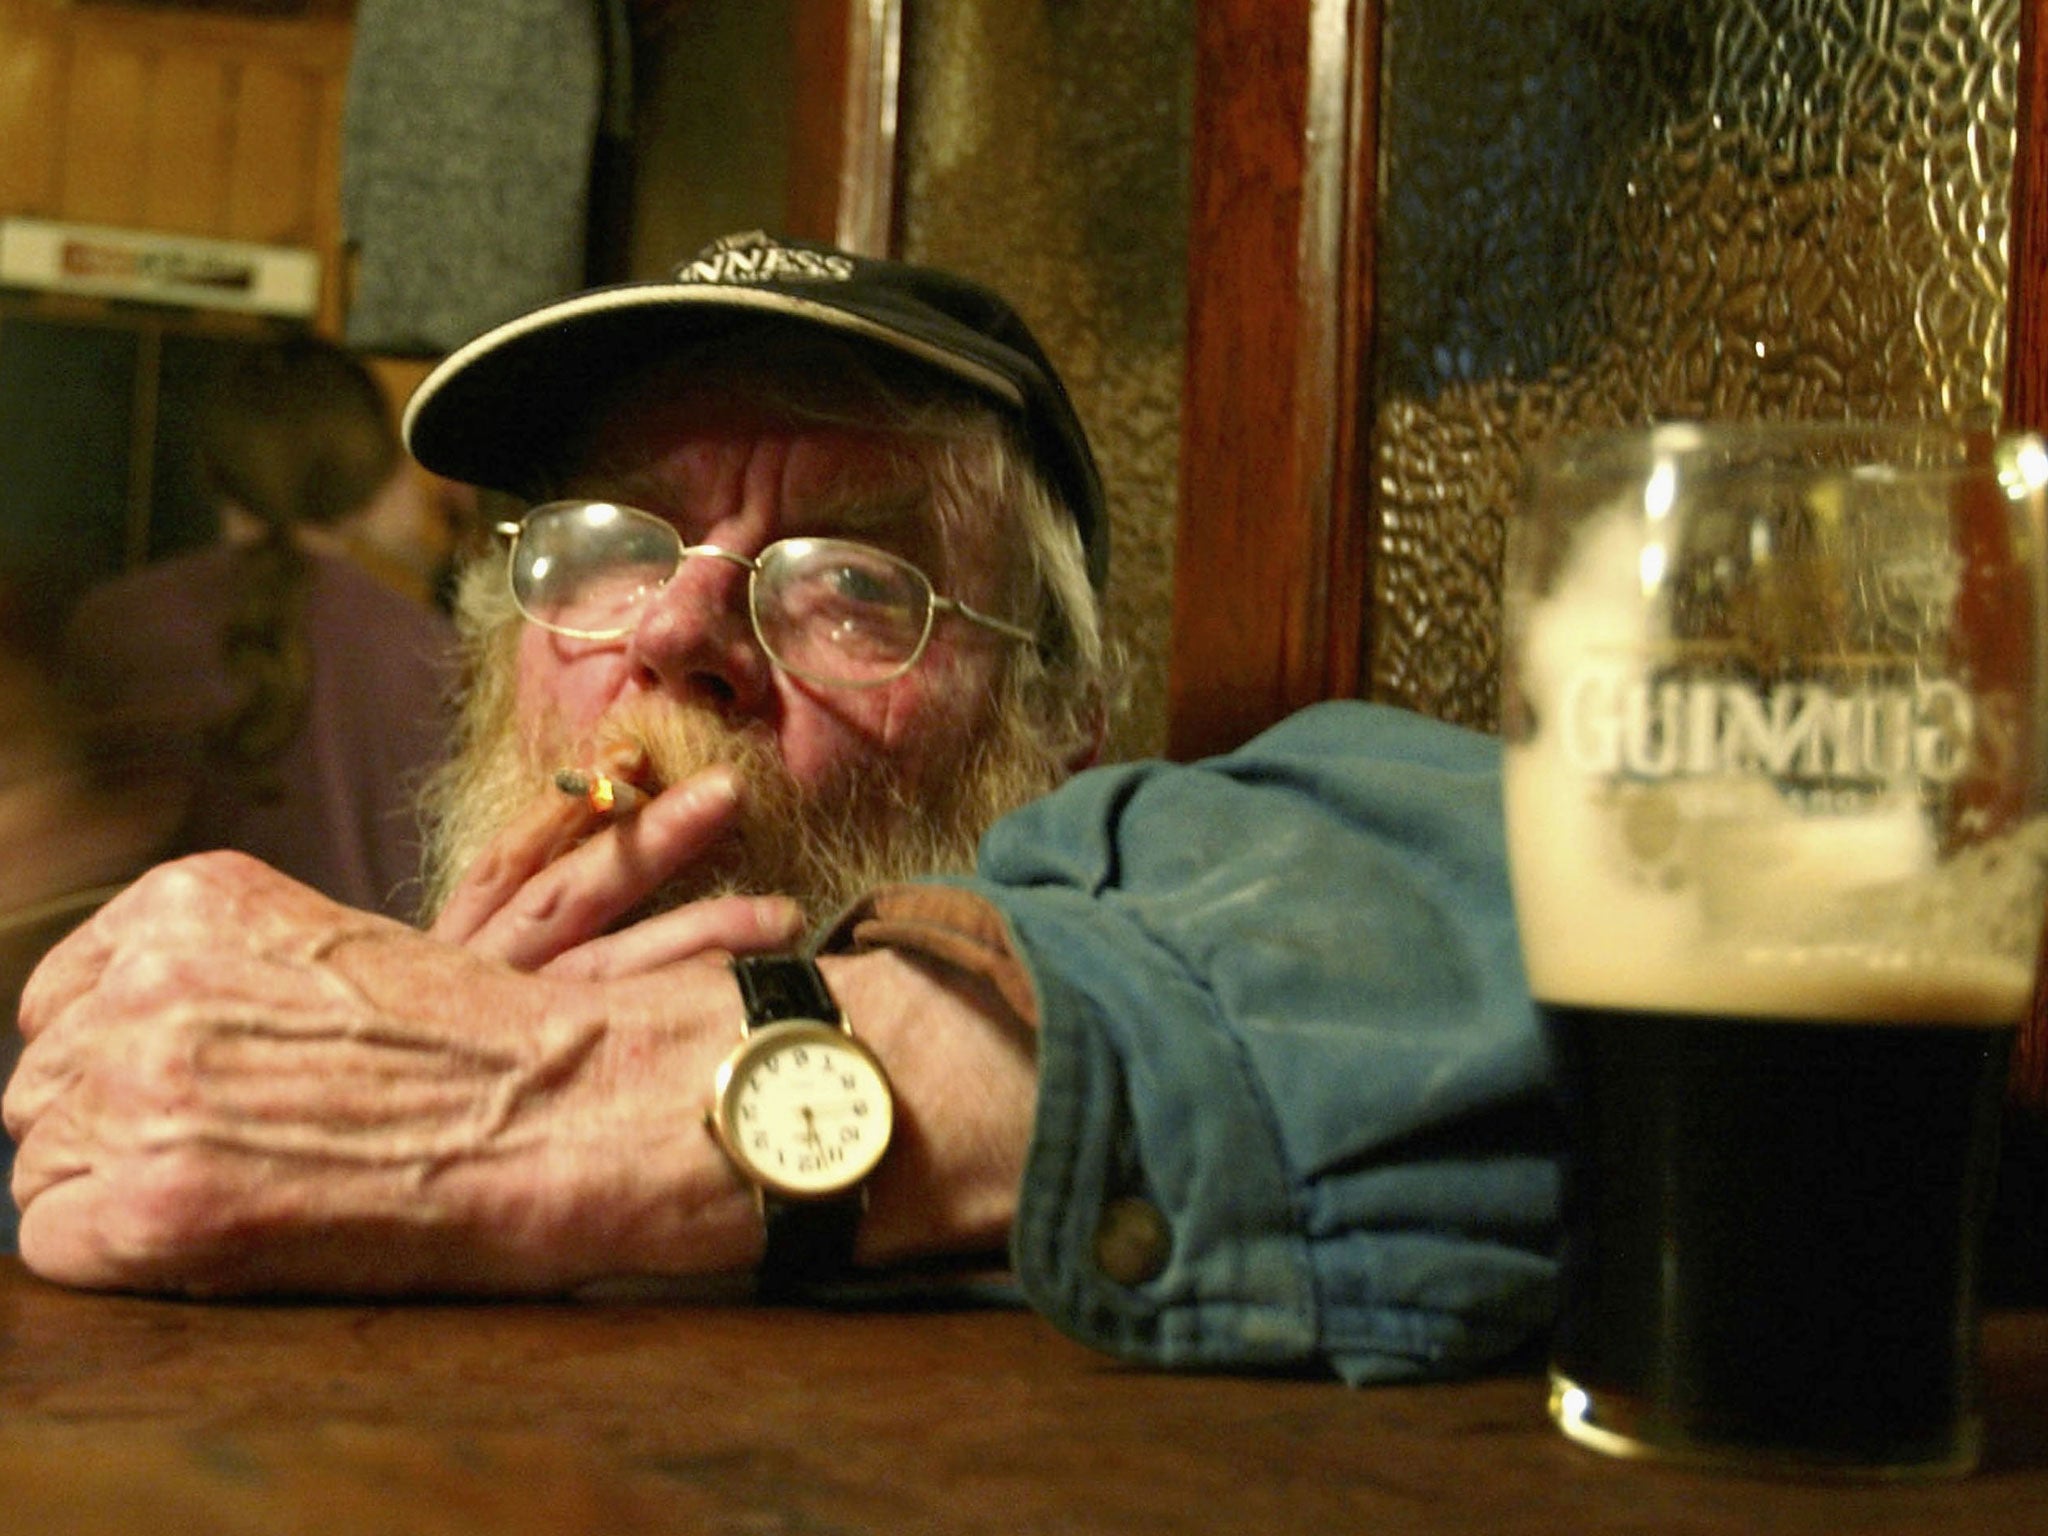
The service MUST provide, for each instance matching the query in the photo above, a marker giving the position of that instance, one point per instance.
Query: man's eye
(865, 585)
(605, 583)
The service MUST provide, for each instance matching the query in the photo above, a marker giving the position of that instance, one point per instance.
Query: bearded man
(770, 930)
(959, 718)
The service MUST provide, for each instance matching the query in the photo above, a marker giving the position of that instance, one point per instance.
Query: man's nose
(694, 639)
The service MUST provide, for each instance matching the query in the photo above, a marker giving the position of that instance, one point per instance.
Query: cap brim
(496, 411)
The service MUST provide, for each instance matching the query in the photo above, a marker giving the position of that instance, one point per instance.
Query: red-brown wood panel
(190, 122)
(842, 181)
(1272, 548)
(818, 125)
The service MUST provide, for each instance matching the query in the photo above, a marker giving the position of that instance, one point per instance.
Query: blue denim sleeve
(1286, 1040)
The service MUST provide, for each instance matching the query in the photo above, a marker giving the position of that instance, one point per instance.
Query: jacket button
(1132, 1241)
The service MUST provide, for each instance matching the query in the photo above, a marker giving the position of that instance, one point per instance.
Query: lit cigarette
(601, 792)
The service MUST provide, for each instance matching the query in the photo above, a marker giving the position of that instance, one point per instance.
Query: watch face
(804, 1108)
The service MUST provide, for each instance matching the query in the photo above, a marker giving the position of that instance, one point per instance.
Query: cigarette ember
(601, 792)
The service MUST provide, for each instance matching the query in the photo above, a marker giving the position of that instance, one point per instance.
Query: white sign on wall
(156, 268)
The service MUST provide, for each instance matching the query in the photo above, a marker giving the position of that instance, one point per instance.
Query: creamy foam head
(1775, 923)
(1704, 848)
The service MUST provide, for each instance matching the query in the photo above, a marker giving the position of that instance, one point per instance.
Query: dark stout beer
(1771, 1234)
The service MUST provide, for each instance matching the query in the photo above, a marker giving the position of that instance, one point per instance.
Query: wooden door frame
(842, 172)
(1272, 557)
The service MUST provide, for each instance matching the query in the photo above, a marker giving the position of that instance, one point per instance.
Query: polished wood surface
(122, 1414)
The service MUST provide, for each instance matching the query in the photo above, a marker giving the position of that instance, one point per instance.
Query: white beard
(823, 846)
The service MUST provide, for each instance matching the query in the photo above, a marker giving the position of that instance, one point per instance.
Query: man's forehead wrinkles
(686, 486)
(639, 488)
(634, 478)
(862, 505)
(817, 468)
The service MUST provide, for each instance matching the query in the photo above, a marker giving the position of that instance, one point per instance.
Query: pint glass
(1774, 791)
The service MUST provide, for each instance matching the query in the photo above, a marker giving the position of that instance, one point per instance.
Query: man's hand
(547, 891)
(231, 1083)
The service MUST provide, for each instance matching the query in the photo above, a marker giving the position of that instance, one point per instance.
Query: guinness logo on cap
(756, 258)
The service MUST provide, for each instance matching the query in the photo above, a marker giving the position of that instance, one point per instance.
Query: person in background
(781, 927)
(290, 702)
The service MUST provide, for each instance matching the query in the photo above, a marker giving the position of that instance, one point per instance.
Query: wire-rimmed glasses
(830, 611)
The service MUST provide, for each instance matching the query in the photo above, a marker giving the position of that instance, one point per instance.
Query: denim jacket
(1293, 1100)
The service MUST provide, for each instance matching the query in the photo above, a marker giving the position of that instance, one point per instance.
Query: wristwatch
(804, 1110)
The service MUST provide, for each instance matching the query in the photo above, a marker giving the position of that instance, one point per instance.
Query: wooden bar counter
(122, 1414)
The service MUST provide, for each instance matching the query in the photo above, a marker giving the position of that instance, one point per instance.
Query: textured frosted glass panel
(1045, 151)
(1596, 212)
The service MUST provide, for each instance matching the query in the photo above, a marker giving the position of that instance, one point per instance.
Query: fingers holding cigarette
(592, 846)
(552, 825)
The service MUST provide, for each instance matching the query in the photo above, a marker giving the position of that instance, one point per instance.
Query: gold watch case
(803, 1109)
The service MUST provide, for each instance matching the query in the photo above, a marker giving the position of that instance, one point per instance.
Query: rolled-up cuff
(944, 923)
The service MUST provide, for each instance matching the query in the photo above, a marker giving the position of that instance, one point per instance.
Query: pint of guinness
(1775, 802)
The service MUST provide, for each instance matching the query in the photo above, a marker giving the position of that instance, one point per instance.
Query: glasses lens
(585, 567)
(841, 613)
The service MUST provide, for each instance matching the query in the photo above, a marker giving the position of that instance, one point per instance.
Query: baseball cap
(491, 413)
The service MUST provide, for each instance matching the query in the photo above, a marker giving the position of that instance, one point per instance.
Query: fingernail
(779, 916)
(717, 786)
(624, 759)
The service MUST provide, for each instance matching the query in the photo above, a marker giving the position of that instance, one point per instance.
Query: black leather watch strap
(807, 1241)
(777, 987)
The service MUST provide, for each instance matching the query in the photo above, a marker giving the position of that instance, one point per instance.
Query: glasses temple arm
(986, 620)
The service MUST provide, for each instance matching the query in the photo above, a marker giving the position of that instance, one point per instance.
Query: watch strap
(807, 1242)
(778, 987)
